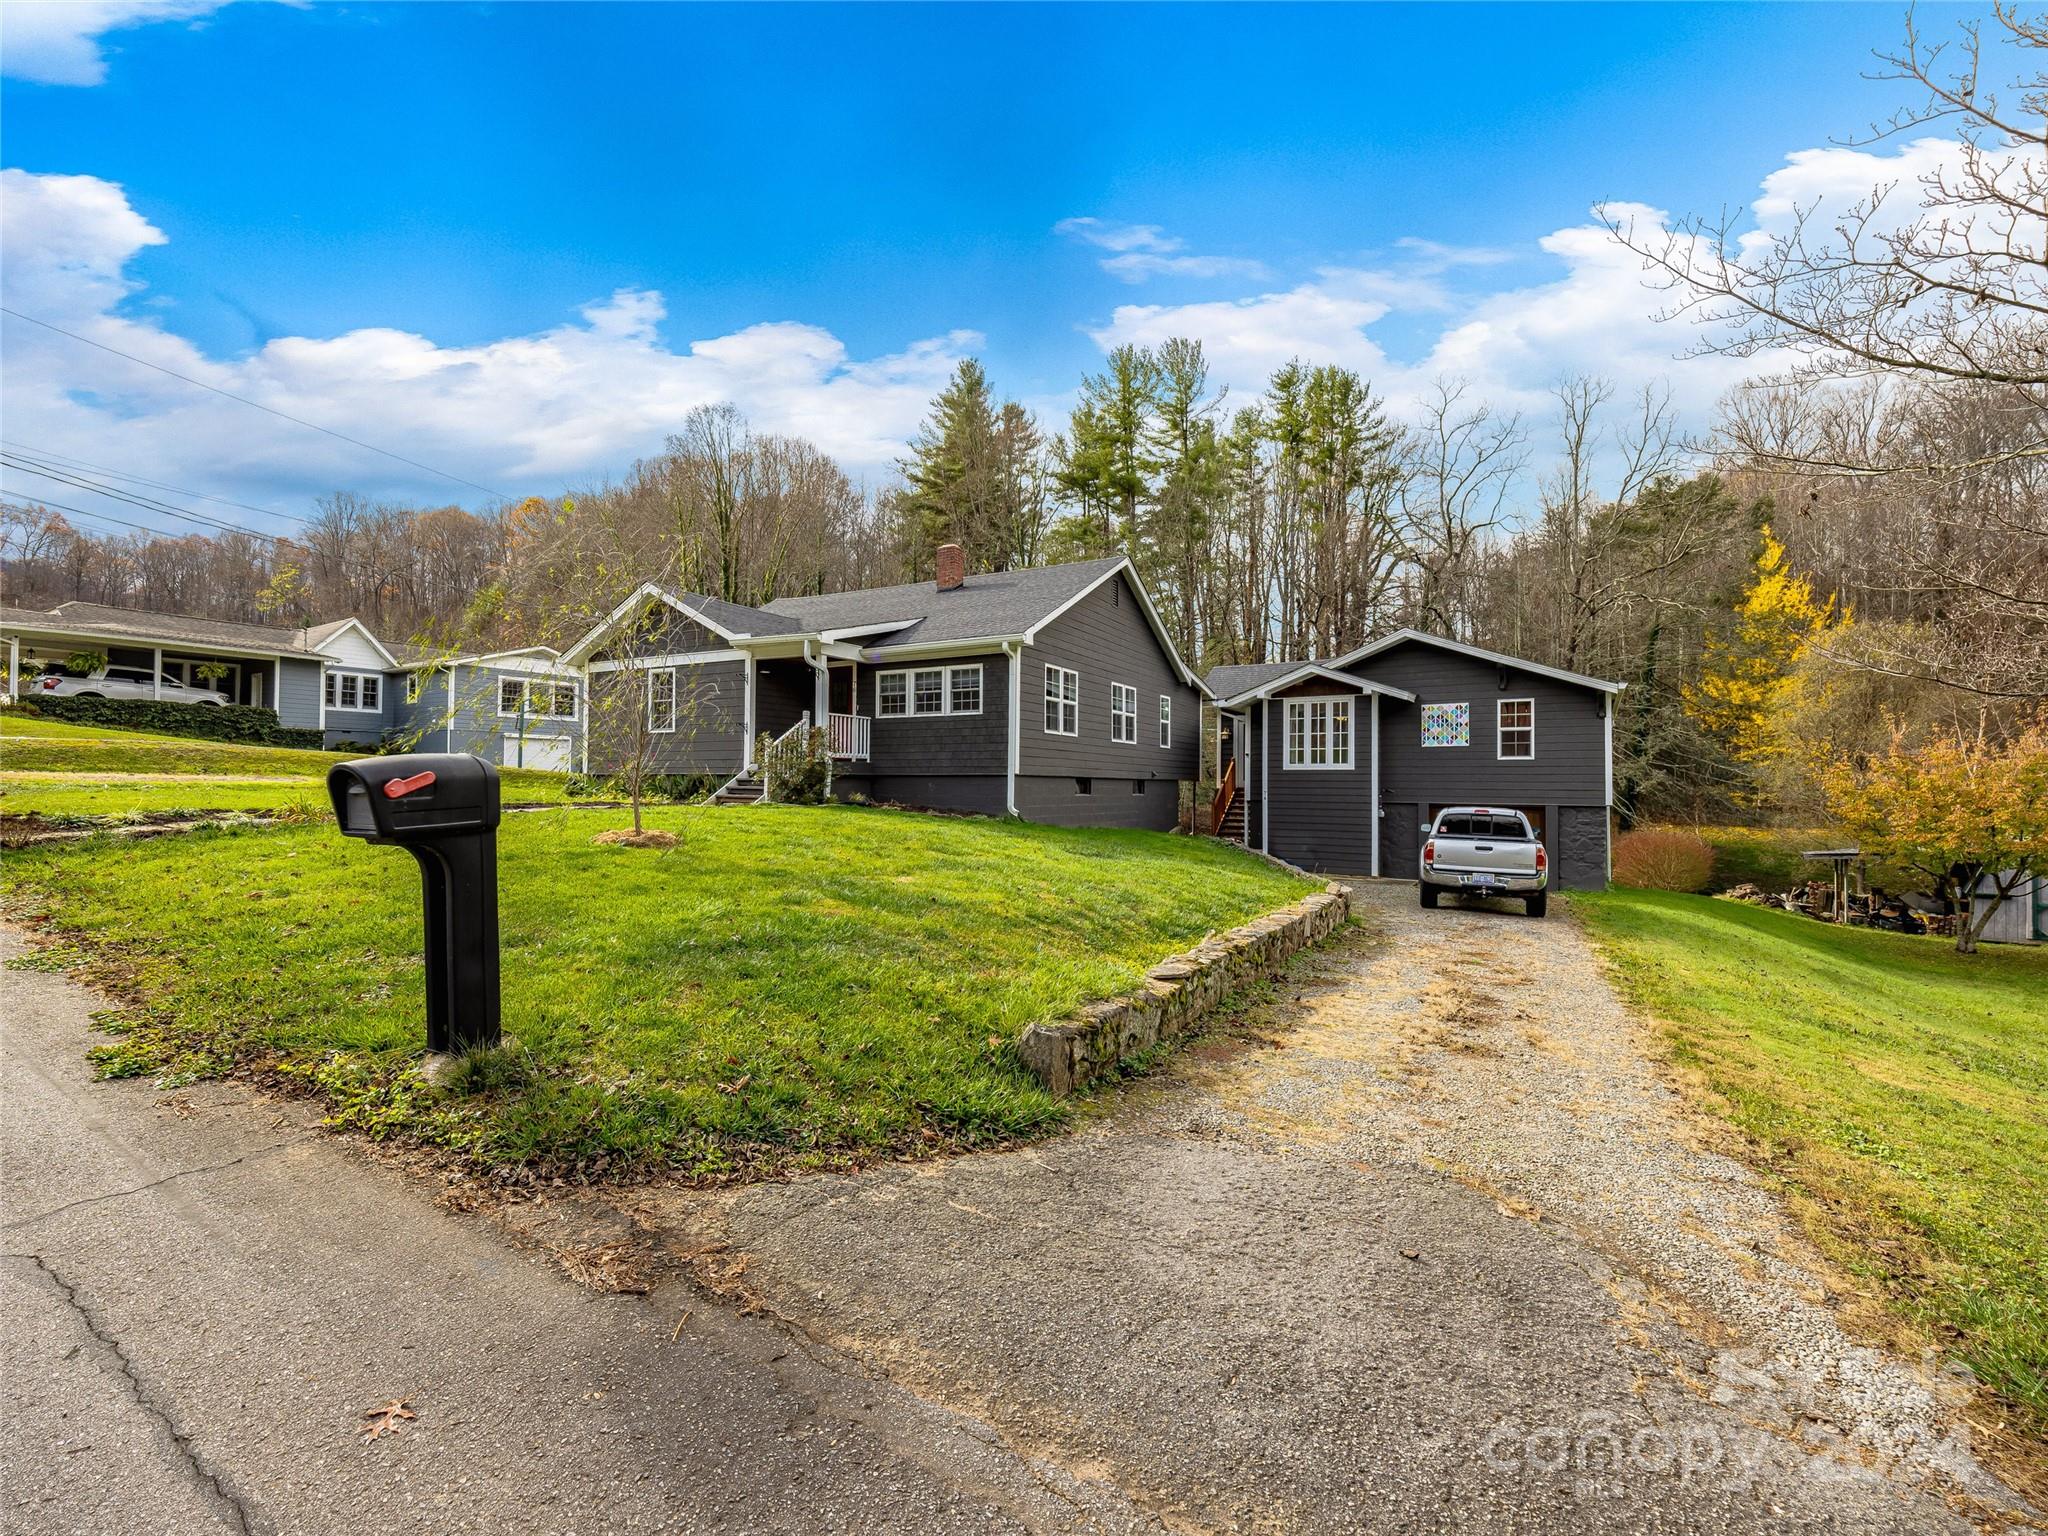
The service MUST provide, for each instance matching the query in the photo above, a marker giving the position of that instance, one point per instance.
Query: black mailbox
(443, 809)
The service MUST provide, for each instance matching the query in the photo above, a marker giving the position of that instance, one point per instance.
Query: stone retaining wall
(1178, 993)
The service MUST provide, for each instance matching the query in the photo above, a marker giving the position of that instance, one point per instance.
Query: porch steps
(1232, 828)
(744, 790)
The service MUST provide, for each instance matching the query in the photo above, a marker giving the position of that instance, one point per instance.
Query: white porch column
(1375, 785)
(156, 673)
(821, 689)
(747, 746)
(13, 666)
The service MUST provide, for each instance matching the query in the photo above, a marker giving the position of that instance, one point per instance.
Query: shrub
(207, 722)
(797, 771)
(1663, 859)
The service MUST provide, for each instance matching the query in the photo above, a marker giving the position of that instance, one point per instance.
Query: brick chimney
(952, 566)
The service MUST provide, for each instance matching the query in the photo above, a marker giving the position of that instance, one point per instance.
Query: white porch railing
(849, 736)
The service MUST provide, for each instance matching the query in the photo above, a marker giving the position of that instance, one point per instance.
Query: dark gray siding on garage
(1321, 818)
(1107, 639)
(1566, 780)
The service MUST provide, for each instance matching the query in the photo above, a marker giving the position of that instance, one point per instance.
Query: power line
(245, 400)
(45, 455)
(101, 517)
(146, 503)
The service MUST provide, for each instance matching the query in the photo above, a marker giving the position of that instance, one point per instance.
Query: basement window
(1084, 786)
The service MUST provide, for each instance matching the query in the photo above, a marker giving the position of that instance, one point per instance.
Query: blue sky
(379, 216)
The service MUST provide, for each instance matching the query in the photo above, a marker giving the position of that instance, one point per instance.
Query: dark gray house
(517, 707)
(1052, 694)
(1339, 764)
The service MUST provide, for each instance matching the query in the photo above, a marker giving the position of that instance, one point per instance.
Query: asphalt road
(203, 1294)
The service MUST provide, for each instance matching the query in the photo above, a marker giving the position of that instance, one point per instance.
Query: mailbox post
(442, 808)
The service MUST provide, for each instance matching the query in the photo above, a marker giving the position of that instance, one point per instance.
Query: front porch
(797, 691)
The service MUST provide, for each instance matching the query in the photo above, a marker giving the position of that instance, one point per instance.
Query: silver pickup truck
(1485, 852)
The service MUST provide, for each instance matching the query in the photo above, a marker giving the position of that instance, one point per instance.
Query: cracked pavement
(203, 1294)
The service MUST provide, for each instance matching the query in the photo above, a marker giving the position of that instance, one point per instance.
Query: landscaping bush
(1663, 859)
(207, 722)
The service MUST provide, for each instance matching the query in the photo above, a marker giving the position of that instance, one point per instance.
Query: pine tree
(952, 472)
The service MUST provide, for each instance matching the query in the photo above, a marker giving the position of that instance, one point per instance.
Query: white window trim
(1287, 763)
(1520, 757)
(527, 686)
(1123, 710)
(1166, 720)
(1058, 696)
(674, 699)
(330, 692)
(910, 711)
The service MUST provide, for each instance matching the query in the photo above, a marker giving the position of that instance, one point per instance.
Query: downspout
(747, 743)
(1014, 649)
(1607, 720)
(1265, 747)
(1375, 786)
(583, 725)
(156, 674)
(448, 715)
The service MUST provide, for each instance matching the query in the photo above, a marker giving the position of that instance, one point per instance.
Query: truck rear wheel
(1428, 894)
(1537, 902)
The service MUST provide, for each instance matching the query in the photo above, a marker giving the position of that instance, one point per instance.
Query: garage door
(550, 752)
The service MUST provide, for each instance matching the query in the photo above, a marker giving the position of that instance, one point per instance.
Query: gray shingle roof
(131, 624)
(1229, 682)
(987, 603)
(739, 618)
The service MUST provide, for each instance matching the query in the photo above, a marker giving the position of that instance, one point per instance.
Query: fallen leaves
(387, 1420)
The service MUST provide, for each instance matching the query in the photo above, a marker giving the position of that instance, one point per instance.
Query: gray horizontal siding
(710, 734)
(298, 692)
(1319, 818)
(969, 794)
(457, 711)
(1107, 639)
(942, 745)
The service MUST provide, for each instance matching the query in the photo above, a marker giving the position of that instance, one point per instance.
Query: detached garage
(1340, 765)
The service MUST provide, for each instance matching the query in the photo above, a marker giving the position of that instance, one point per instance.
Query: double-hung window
(1516, 736)
(1062, 701)
(1165, 720)
(355, 690)
(1318, 733)
(930, 691)
(511, 696)
(1123, 713)
(661, 700)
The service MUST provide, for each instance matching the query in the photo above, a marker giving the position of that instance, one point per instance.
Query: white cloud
(1598, 315)
(59, 44)
(1146, 250)
(536, 413)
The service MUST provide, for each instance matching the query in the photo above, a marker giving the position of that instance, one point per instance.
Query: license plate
(1479, 879)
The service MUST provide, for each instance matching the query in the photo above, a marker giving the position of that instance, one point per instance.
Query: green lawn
(1898, 1088)
(789, 985)
(209, 775)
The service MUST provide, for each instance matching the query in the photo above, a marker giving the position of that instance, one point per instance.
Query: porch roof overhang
(145, 642)
(1310, 671)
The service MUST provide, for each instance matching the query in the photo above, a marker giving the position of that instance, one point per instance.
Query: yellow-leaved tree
(1970, 811)
(1746, 670)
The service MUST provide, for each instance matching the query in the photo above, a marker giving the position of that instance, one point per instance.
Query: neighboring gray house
(514, 707)
(1340, 764)
(1053, 694)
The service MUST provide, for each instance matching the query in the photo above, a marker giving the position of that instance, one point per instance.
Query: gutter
(1014, 650)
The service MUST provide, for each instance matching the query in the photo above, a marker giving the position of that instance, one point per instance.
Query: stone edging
(1179, 992)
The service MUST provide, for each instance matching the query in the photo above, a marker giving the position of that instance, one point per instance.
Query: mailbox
(442, 808)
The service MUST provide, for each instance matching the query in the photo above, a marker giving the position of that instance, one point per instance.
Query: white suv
(124, 683)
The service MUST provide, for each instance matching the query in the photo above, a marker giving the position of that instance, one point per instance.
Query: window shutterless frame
(1319, 733)
(1514, 736)
(1165, 720)
(661, 701)
(354, 690)
(942, 690)
(1062, 701)
(1123, 714)
(536, 698)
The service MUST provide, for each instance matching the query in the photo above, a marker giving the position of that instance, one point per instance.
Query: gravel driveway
(1438, 1250)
